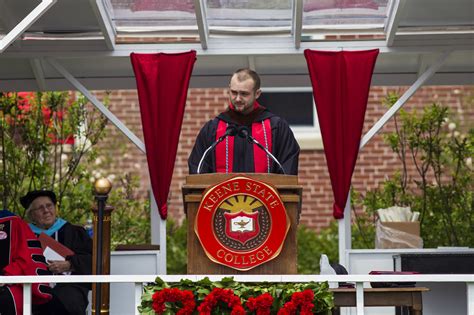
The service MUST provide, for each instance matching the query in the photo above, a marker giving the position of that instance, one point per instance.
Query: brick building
(376, 160)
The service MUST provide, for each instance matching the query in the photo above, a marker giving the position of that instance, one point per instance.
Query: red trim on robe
(221, 147)
(260, 158)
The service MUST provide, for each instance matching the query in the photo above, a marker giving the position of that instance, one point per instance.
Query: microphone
(230, 131)
(244, 132)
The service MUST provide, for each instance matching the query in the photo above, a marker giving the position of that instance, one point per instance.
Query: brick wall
(375, 162)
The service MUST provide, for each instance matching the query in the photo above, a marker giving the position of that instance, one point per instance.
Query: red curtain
(162, 84)
(341, 82)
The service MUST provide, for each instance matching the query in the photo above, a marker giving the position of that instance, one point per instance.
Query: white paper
(51, 254)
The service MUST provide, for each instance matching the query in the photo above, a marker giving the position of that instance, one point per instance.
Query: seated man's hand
(59, 266)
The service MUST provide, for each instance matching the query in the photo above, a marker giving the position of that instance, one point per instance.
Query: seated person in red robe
(20, 255)
(68, 298)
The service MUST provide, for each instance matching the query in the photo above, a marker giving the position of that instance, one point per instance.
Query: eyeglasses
(48, 206)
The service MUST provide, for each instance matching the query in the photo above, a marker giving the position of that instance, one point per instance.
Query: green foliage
(176, 250)
(281, 292)
(441, 150)
(37, 152)
(131, 216)
(311, 244)
(45, 137)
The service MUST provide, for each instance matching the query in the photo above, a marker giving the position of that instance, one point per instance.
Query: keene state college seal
(241, 223)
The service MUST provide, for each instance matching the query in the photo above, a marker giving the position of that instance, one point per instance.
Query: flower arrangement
(221, 295)
(167, 296)
(261, 305)
(302, 300)
(231, 297)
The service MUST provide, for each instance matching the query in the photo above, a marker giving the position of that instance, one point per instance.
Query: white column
(158, 233)
(138, 296)
(470, 298)
(360, 298)
(27, 299)
(344, 228)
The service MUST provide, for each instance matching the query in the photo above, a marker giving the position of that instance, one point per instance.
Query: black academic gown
(71, 298)
(284, 145)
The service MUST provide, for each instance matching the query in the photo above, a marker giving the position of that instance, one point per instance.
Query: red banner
(162, 84)
(341, 83)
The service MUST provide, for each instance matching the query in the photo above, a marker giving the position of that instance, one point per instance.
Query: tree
(45, 137)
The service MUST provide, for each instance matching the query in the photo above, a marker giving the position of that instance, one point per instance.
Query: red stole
(261, 131)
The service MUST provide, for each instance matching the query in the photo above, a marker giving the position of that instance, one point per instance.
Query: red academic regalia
(20, 254)
(245, 156)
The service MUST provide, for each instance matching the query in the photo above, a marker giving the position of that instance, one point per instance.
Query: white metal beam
(27, 21)
(7, 22)
(105, 22)
(38, 72)
(425, 60)
(201, 19)
(393, 20)
(422, 65)
(246, 46)
(252, 64)
(297, 22)
(403, 99)
(104, 110)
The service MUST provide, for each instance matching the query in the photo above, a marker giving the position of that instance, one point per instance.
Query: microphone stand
(231, 131)
(205, 153)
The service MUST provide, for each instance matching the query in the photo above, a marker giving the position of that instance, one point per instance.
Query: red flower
(302, 300)
(224, 295)
(174, 295)
(261, 305)
(46, 115)
(23, 101)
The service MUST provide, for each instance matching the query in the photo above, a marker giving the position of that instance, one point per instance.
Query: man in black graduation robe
(243, 110)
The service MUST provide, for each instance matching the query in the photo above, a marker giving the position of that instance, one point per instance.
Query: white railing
(139, 280)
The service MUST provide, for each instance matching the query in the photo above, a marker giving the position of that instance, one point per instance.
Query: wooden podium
(290, 193)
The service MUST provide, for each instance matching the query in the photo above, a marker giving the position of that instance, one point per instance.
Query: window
(297, 107)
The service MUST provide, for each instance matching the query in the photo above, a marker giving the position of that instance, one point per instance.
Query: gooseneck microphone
(230, 131)
(244, 132)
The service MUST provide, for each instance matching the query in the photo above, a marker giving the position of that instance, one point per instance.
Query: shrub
(440, 147)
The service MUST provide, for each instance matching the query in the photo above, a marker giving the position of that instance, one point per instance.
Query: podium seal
(241, 223)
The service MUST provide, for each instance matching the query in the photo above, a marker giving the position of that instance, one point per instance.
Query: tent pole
(344, 228)
(404, 98)
(158, 233)
(99, 105)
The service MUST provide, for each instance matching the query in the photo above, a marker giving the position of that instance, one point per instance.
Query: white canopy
(92, 39)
